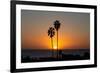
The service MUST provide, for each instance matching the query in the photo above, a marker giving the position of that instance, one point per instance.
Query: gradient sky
(74, 32)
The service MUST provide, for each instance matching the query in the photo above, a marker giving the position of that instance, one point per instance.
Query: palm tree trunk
(57, 44)
(52, 45)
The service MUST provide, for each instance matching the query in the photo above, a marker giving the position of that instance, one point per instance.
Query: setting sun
(55, 47)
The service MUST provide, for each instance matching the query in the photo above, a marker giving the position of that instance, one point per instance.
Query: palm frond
(51, 32)
(57, 24)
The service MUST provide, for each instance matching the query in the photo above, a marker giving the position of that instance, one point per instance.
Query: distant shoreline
(54, 49)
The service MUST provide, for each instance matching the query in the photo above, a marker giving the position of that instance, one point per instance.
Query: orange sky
(73, 33)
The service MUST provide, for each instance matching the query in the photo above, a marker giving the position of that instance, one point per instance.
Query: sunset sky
(74, 32)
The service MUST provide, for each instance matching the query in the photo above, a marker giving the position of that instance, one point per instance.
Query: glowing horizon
(74, 32)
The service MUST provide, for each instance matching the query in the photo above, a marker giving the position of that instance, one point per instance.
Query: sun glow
(55, 47)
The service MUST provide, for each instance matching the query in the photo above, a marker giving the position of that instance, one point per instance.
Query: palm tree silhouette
(51, 33)
(57, 26)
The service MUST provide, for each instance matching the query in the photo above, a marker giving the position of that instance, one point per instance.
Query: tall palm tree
(51, 33)
(57, 26)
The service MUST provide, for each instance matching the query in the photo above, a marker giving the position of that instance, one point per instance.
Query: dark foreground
(63, 56)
